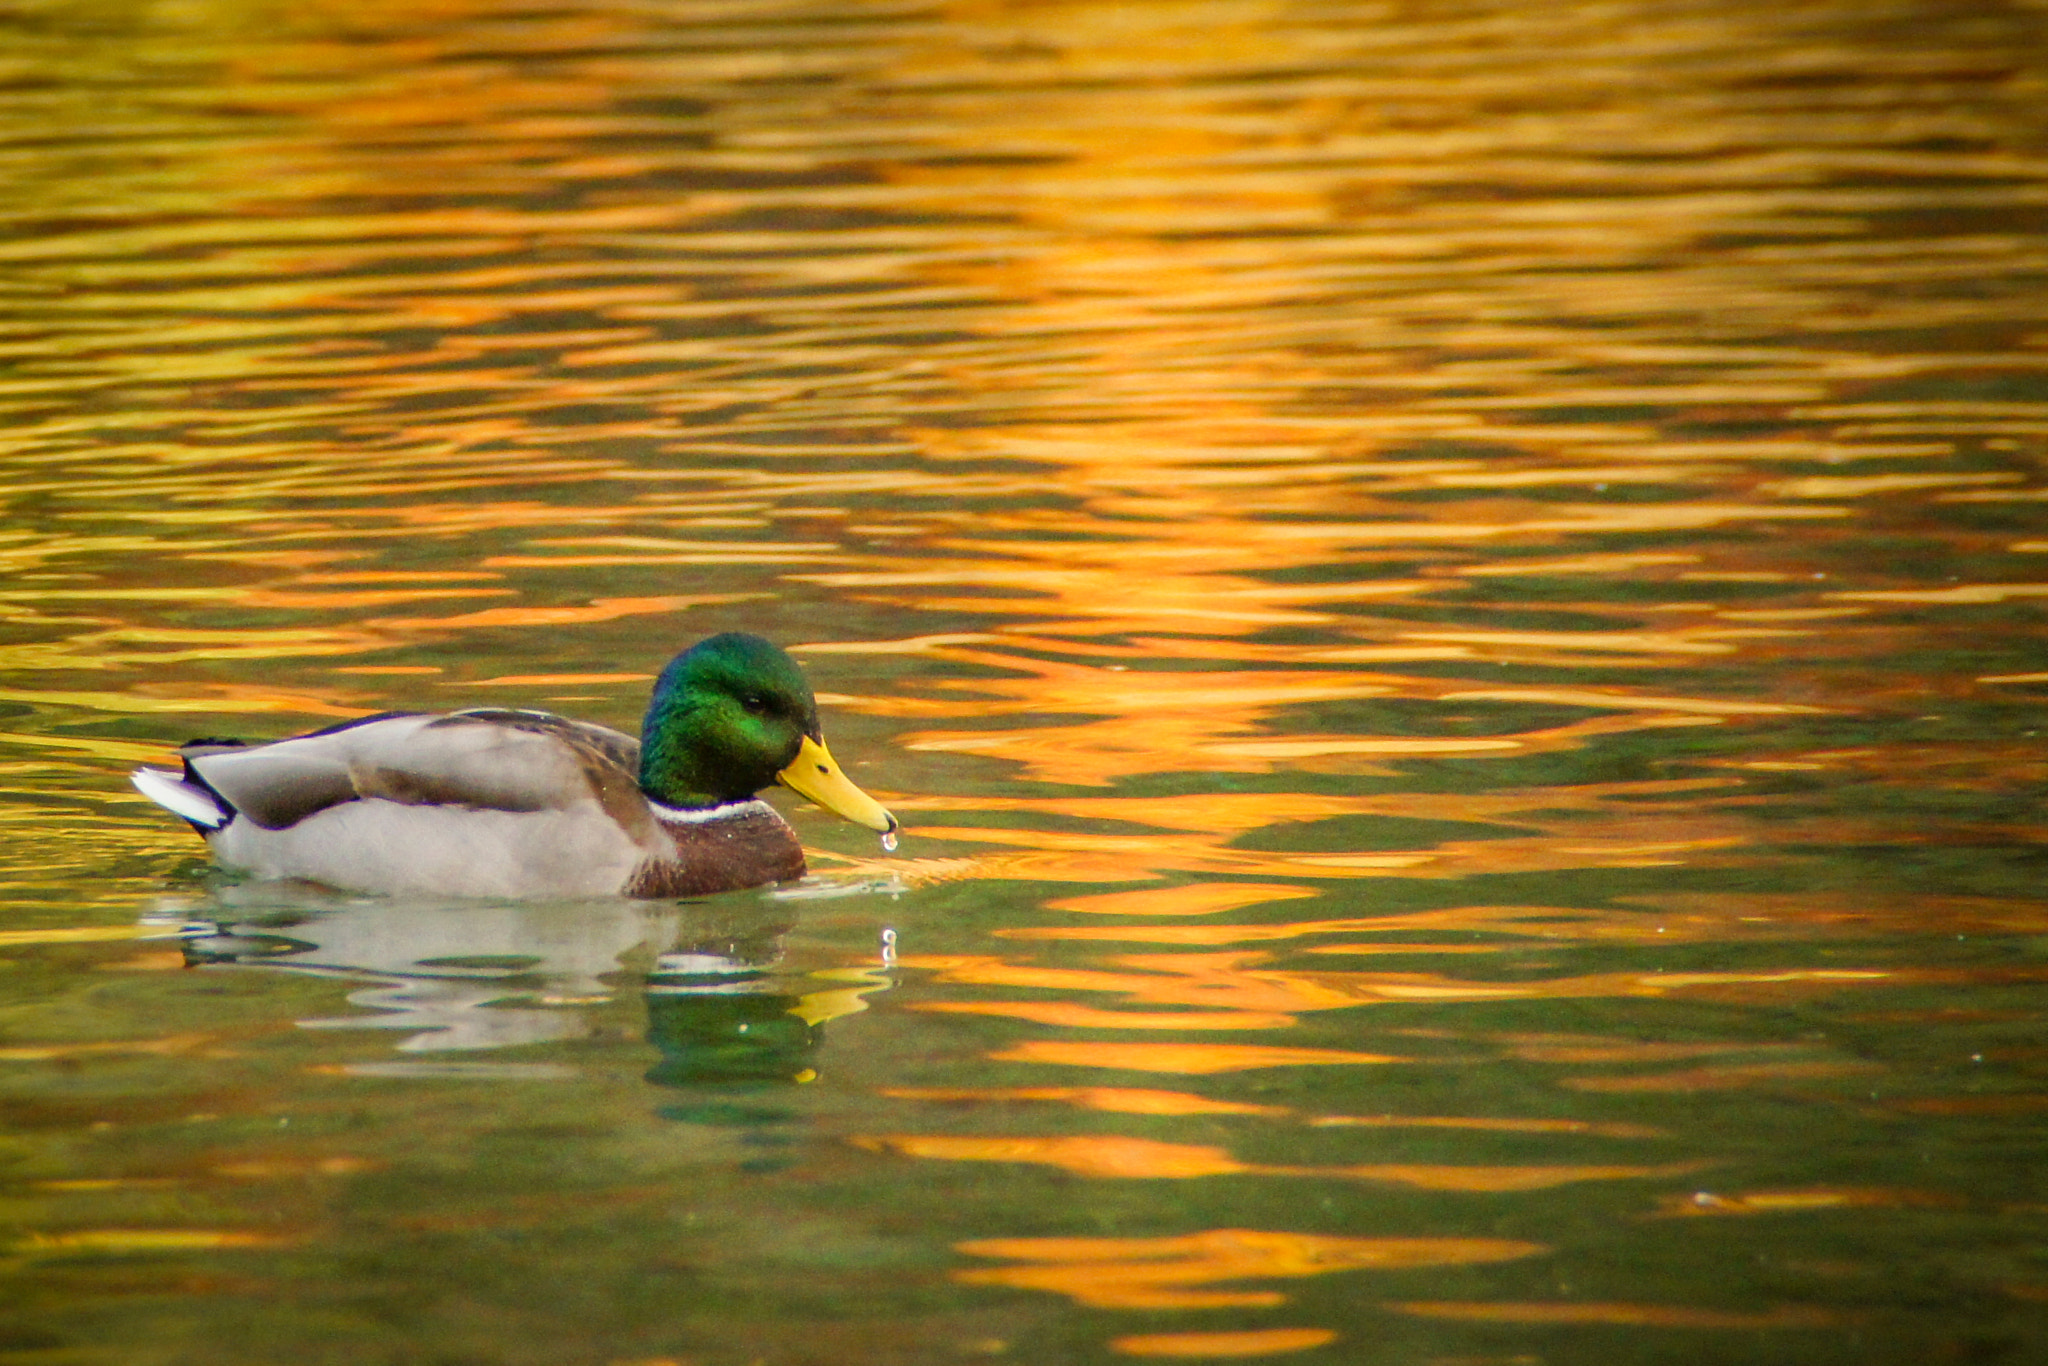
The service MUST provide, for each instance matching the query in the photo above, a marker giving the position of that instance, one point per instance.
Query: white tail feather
(174, 794)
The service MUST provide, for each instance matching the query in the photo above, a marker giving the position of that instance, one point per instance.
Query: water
(1450, 597)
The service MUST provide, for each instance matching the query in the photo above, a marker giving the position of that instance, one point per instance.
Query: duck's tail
(182, 797)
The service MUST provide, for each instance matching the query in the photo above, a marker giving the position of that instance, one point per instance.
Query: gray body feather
(373, 845)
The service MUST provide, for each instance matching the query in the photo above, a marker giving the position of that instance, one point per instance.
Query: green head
(727, 716)
(732, 715)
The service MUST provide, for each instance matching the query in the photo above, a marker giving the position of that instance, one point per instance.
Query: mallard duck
(500, 802)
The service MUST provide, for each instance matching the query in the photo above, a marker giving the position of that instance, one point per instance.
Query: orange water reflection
(1243, 989)
(1255, 1342)
(1149, 1101)
(1114, 1099)
(1163, 1273)
(1737, 1204)
(1116, 1157)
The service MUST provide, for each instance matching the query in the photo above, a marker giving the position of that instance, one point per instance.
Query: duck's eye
(754, 702)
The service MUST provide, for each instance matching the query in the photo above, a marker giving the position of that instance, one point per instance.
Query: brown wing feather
(608, 761)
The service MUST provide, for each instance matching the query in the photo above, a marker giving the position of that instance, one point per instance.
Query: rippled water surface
(1451, 595)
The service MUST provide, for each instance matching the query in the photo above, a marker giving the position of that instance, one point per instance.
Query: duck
(502, 802)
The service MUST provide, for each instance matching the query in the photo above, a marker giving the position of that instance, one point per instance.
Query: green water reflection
(1450, 597)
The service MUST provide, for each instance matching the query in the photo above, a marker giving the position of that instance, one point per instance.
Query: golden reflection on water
(1164, 1273)
(1256, 1342)
(1148, 1159)
(1526, 522)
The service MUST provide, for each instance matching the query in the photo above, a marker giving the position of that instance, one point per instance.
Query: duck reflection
(468, 977)
(729, 1036)
(733, 1035)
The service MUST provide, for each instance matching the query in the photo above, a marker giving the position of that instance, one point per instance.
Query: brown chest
(750, 848)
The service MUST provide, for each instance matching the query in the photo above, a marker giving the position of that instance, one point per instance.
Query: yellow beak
(817, 777)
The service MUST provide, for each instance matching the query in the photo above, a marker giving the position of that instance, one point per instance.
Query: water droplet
(889, 842)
